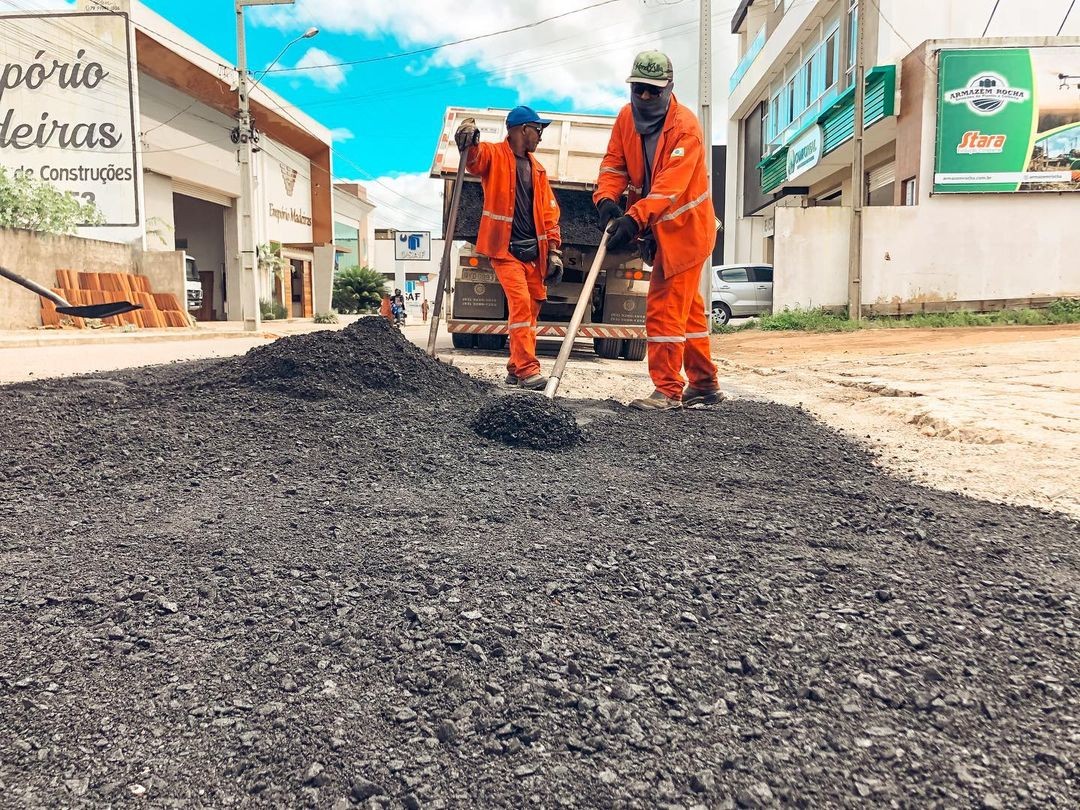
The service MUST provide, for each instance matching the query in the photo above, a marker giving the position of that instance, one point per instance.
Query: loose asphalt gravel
(299, 578)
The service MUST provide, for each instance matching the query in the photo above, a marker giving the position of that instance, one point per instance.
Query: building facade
(166, 177)
(944, 197)
(354, 230)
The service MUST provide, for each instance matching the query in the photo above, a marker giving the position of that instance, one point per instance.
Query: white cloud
(406, 202)
(341, 134)
(581, 59)
(322, 68)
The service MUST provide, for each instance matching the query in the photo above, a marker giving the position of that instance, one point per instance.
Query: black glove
(608, 210)
(554, 268)
(621, 233)
(467, 134)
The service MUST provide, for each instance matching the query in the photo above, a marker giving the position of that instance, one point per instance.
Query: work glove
(608, 210)
(467, 134)
(621, 233)
(554, 267)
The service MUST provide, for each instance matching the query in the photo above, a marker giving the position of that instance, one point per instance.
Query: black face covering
(649, 115)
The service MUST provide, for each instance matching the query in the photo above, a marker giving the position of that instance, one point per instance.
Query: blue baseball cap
(524, 115)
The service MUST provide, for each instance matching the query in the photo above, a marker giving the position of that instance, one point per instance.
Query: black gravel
(279, 583)
(527, 420)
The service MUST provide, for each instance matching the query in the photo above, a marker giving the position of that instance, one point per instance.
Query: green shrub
(272, 310)
(358, 289)
(35, 205)
(326, 317)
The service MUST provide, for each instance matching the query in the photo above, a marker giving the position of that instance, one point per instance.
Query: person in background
(519, 230)
(384, 308)
(424, 310)
(657, 151)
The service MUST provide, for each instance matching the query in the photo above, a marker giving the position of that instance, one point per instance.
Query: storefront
(162, 169)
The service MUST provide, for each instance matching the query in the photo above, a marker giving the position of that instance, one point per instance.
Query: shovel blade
(100, 310)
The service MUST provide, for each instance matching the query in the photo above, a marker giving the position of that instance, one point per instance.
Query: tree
(34, 205)
(358, 289)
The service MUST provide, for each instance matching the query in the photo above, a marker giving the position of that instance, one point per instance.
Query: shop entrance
(200, 233)
(294, 292)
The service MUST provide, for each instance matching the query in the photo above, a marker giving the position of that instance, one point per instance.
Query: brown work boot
(700, 397)
(656, 401)
(534, 382)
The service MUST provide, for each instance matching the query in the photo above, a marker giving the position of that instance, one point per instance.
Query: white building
(169, 103)
(955, 216)
(354, 230)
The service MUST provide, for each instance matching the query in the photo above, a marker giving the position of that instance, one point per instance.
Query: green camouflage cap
(652, 67)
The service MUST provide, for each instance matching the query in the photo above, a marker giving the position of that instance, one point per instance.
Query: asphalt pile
(219, 588)
(527, 420)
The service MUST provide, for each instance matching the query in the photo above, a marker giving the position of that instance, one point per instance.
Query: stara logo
(976, 143)
(987, 94)
(289, 176)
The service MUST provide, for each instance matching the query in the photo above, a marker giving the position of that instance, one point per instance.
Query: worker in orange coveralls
(519, 230)
(656, 151)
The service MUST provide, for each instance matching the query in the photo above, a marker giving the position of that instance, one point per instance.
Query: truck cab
(571, 151)
(193, 291)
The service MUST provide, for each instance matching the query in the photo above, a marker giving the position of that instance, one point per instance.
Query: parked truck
(571, 151)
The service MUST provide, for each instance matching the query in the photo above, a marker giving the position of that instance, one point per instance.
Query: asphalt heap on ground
(298, 578)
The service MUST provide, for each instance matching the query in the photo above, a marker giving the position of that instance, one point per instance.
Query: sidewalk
(212, 330)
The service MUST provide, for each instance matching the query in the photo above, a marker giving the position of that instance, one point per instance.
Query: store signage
(412, 246)
(286, 190)
(805, 152)
(66, 108)
(1008, 120)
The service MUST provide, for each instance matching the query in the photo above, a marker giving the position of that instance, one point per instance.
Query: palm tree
(358, 289)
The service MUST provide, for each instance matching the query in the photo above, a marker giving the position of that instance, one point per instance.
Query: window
(763, 275)
(908, 191)
(853, 34)
(831, 47)
(734, 275)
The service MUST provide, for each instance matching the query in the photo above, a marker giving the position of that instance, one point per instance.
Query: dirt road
(991, 412)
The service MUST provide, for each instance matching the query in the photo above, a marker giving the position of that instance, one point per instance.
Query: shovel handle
(33, 286)
(575, 322)
(448, 241)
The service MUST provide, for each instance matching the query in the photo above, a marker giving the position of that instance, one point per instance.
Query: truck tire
(609, 348)
(491, 343)
(463, 341)
(635, 349)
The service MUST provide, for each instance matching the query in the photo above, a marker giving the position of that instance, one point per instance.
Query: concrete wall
(952, 249)
(811, 258)
(38, 257)
(165, 271)
(971, 249)
(160, 224)
(322, 279)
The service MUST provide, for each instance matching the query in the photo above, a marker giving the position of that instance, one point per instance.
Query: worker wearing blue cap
(519, 230)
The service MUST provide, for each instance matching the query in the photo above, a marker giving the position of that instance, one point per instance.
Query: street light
(311, 32)
(245, 137)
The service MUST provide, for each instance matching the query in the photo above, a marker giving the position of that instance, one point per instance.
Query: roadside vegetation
(38, 206)
(1065, 311)
(358, 290)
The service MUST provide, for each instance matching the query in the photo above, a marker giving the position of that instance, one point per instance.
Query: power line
(431, 48)
(1066, 18)
(993, 11)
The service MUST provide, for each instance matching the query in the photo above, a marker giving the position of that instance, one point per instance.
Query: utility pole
(705, 94)
(858, 170)
(245, 137)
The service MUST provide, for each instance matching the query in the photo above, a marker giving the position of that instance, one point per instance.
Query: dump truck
(571, 151)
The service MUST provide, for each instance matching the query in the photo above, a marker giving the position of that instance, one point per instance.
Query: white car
(740, 290)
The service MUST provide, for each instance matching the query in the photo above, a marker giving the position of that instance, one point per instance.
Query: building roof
(740, 15)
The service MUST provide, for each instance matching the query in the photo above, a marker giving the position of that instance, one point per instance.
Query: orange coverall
(523, 282)
(678, 209)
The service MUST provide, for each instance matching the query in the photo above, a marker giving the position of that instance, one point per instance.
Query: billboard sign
(67, 113)
(804, 154)
(412, 246)
(1008, 120)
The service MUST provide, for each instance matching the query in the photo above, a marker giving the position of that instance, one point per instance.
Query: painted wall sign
(1008, 120)
(285, 186)
(412, 246)
(805, 153)
(67, 112)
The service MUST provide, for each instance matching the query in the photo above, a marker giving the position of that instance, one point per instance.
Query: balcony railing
(748, 59)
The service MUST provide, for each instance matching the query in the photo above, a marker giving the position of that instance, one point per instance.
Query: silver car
(739, 290)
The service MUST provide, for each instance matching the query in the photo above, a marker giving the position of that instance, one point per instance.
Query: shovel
(63, 307)
(448, 239)
(575, 322)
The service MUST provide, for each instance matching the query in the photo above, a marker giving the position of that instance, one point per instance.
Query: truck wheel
(491, 343)
(609, 348)
(635, 349)
(463, 341)
(721, 314)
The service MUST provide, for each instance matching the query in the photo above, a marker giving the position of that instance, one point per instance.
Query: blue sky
(387, 114)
